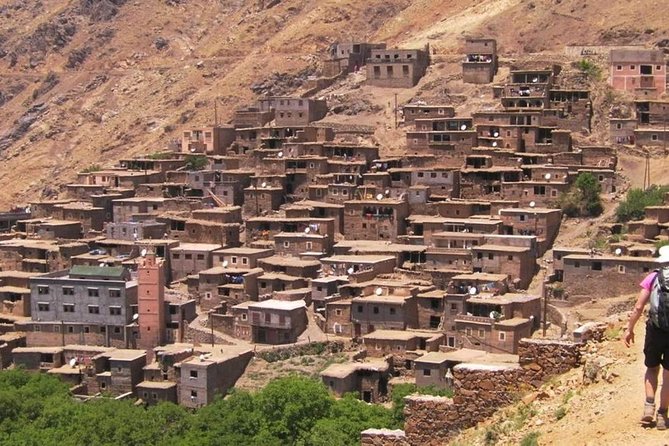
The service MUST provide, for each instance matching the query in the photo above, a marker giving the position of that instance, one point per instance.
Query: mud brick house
(294, 111)
(399, 343)
(585, 276)
(38, 358)
(120, 178)
(317, 209)
(397, 68)
(39, 256)
(408, 254)
(430, 307)
(189, 258)
(444, 136)
(542, 223)
(337, 316)
(527, 89)
(207, 140)
(358, 268)
(240, 257)
(369, 379)
(324, 289)
(622, 130)
(432, 369)
(85, 305)
(348, 57)
(210, 375)
(384, 308)
(9, 219)
(227, 284)
(260, 200)
(426, 226)
(123, 371)
(411, 112)
(135, 230)
(277, 322)
(189, 230)
(639, 71)
(50, 229)
(651, 137)
(517, 262)
(382, 219)
(251, 117)
(569, 110)
(294, 266)
(515, 316)
(15, 293)
(480, 179)
(480, 64)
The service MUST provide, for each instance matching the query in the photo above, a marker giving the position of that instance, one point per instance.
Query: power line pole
(395, 110)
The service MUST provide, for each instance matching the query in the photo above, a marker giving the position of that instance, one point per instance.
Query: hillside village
(163, 276)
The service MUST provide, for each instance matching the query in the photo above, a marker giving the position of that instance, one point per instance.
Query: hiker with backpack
(654, 289)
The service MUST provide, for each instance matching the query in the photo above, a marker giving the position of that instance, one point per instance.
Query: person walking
(654, 289)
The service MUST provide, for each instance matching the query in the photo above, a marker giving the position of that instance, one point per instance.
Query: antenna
(378, 291)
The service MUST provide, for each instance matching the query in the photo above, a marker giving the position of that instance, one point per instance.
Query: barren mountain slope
(88, 81)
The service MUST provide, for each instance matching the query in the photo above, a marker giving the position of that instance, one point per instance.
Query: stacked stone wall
(480, 390)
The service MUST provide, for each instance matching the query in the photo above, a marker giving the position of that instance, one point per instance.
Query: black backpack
(659, 310)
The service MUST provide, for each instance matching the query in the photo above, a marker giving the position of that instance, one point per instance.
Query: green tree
(583, 198)
(636, 201)
(292, 406)
(195, 162)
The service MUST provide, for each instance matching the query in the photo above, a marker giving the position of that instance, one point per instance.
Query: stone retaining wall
(383, 437)
(481, 389)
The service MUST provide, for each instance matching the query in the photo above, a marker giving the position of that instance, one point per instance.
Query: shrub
(530, 439)
(582, 199)
(194, 162)
(636, 200)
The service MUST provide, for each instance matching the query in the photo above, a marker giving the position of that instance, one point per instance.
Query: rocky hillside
(87, 81)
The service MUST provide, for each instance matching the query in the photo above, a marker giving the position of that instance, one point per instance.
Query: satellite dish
(135, 236)
(473, 291)
(463, 127)
(73, 362)
(102, 265)
(264, 184)
(663, 251)
(547, 176)
(535, 80)
(123, 165)
(492, 315)
(28, 209)
(494, 143)
(378, 291)
(618, 251)
(387, 191)
(225, 263)
(192, 149)
(496, 134)
(202, 358)
(143, 253)
(350, 270)
(280, 154)
(307, 230)
(379, 197)
(532, 204)
(135, 317)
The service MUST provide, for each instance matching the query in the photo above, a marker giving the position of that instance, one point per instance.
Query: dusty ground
(566, 411)
(86, 82)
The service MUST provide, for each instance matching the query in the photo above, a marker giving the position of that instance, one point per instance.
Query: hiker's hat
(663, 254)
